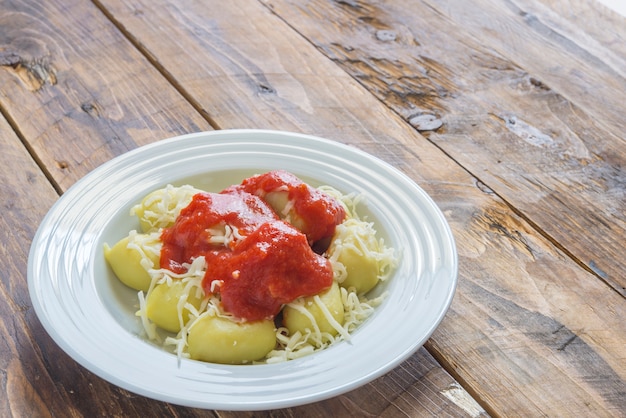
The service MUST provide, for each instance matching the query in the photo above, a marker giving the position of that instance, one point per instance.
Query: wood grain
(419, 388)
(50, 60)
(20, 216)
(530, 332)
(78, 91)
(37, 379)
(525, 306)
(521, 111)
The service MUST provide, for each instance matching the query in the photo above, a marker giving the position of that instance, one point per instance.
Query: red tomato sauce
(189, 237)
(319, 212)
(271, 263)
(272, 266)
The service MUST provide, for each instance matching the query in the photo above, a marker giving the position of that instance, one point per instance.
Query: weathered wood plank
(25, 198)
(568, 45)
(521, 111)
(65, 84)
(78, 91)
(528, 324)
(37, 379)
(591, 25)
(406, 392)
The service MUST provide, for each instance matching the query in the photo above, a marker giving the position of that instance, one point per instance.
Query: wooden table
(510, 114)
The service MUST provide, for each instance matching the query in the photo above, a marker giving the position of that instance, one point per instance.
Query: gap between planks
(31, 151)
(166, 74)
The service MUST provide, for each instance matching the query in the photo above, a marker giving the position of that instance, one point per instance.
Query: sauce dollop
(272, 266)
(318, 213)
(190, 236)
(267, 262)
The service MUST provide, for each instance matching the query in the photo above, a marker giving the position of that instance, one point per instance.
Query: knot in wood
(386, 35)
(426, 122)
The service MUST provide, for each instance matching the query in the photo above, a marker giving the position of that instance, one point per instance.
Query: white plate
(91, 315)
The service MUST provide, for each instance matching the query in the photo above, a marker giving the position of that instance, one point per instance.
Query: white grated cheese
(148, 245)
(357, 308)
(360, 237)
(162, 207)
(148, 326)
(331, 320)
(226, 235)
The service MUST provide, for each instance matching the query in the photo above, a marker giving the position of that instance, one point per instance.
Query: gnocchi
(360, 255)
(222, 340)
(182, 310)
(320, 316)
(167, 305)
(160, 208)
(132, 257)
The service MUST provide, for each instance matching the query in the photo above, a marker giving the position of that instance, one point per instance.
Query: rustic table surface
(509, 113)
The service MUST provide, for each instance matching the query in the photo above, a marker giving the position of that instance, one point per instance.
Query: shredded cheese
(148, 246)
(163, 208)
(360, 237)
(226, 235)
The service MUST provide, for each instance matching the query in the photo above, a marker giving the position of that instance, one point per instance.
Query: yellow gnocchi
(279, 201)
(194, 322)
(160, 208)
(221, 340)
(166, 304)
(323, 313)
(358, 253)
(132, 257)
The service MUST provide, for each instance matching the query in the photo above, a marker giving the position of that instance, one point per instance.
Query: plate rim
(238, 404)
